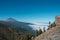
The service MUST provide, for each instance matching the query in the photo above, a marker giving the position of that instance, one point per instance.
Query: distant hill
(12, 29)
(21, 26)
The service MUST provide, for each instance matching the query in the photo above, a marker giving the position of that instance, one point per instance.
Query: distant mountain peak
(10, 19)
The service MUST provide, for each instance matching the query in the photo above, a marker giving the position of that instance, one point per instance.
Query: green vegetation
(12, 33)
(44, 29)
(9, 33)
(39, 32)
(51, 25)
(26, 36)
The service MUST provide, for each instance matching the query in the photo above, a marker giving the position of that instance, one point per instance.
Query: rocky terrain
(53, 33)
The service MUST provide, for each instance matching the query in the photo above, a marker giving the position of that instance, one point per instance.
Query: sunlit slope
(51, 34)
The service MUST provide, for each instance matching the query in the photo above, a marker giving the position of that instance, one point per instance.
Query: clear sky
(34, 11)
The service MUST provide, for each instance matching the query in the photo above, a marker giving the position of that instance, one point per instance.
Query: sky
(34, 11)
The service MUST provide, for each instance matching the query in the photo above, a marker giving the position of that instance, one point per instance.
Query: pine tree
(39, 32)
(44, 29)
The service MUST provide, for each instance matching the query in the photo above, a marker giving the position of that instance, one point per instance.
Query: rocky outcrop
(53, 33)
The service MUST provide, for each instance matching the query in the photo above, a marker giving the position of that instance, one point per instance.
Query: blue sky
(34, 11)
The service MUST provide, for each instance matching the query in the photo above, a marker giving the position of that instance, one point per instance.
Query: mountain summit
(10, 19)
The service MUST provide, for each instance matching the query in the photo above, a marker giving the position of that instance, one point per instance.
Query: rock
(53, 33)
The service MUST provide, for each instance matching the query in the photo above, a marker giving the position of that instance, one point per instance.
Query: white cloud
(37, 26)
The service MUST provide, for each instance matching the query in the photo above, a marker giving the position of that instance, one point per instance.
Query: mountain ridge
(22, 26)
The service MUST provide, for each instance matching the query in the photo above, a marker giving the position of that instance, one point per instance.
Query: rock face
(52, 33)
(57, 20)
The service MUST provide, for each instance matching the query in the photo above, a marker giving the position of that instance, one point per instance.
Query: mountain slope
(8, 33)
(21, 26)
(51, 34)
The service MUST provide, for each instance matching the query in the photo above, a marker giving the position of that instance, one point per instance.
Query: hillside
(14, 30)
(53, 33)
(8, 33)
(20, 26)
